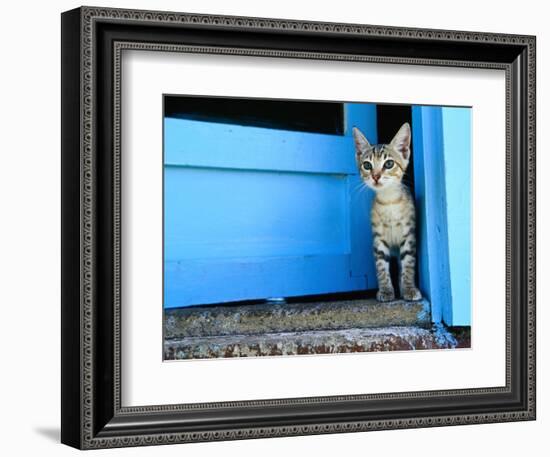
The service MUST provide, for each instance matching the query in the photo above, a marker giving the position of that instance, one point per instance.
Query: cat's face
(383, 165)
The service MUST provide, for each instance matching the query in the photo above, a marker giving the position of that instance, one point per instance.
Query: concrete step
(396, 338)
(203, 321)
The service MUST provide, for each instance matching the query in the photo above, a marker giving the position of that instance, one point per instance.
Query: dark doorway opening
(302, 116)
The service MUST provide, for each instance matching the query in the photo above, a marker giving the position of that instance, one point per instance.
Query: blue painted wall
(431, 205)
(457, 144)
(442, 149)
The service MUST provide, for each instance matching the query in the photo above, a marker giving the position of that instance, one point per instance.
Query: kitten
(393, 218)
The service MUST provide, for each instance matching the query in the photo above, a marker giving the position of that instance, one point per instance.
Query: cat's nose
(376, 177)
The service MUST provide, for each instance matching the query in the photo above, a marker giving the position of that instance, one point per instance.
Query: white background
(147, 76)
(30, 244)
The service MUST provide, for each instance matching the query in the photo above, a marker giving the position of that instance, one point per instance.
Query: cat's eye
(367, 165)
(388, 164)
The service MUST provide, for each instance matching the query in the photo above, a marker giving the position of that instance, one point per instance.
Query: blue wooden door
(253, 213)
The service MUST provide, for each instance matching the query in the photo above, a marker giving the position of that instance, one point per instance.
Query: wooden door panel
(253, 213)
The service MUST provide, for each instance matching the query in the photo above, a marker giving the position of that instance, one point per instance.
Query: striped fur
(393, 216)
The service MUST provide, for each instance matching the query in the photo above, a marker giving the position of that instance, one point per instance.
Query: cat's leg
(407, 257)
(382, 256)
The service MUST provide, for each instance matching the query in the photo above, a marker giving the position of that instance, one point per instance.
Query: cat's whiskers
(359, 189)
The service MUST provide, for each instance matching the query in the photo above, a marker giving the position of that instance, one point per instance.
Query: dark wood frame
(92, 42)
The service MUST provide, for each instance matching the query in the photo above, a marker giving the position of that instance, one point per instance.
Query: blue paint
(423, 266)
(441, 142)
(253, 213)
(458, 185)
(215, 145)
(204, 281)
(220, 213)
(431, 205)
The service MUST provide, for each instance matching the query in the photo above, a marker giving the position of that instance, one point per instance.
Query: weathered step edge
(293, 317)
(313, 342)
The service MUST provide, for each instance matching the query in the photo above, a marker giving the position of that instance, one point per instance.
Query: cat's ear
(402, 141)
(361, 142)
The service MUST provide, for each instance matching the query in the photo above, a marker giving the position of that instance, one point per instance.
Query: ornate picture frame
(93, 40)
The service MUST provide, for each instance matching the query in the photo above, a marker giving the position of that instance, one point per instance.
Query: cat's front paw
(386, 294)
(412, 294)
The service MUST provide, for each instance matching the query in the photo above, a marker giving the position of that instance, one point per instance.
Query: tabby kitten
(393, 218)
